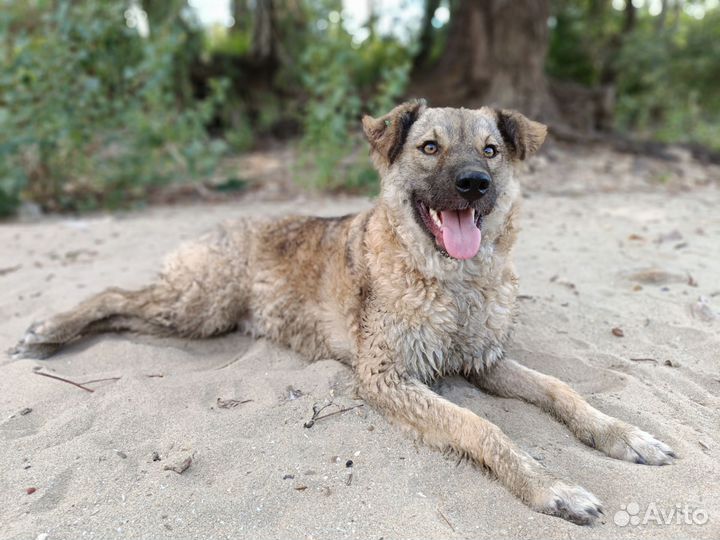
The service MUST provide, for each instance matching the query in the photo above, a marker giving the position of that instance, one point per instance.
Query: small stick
(446, 519)
(102, 380)
(644, 360)
(340, 411)
(230, 363)
(64, 380)
(312, 421)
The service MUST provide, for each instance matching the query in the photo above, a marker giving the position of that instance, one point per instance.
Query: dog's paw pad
(637, 446)
(35, 351)
(34, 344)
(572, 503)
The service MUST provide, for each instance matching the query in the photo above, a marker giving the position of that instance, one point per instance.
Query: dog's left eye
(490, 151)
(429, 148)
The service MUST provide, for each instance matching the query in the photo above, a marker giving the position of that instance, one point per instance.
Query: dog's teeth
(435, 217)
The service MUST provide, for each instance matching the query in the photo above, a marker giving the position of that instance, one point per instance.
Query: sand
(229, 412)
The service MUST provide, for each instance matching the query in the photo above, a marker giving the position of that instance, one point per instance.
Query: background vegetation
(102, 101)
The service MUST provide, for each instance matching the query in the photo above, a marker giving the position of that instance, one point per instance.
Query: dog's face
(451, 170)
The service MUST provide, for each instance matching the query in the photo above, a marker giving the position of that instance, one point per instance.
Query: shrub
(343, 79)
(91, 113)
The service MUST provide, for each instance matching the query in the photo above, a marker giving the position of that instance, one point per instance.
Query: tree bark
(263, 44)
(241, 15)
(608, 74)
(495, 55)
(630, 17)
(660, 21)
(426, 35)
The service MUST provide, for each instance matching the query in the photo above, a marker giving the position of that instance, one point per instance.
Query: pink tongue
(460, 235)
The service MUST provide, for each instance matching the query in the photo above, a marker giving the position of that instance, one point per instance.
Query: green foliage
(666, 69)
(219, 41)
(343, 79)
(90, 112)
(570, 55)
(668, 88)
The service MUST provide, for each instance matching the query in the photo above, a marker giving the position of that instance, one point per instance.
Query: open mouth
(456, 231)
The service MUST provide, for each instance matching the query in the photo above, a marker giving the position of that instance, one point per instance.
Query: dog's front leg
(444, 424)
(611, 436)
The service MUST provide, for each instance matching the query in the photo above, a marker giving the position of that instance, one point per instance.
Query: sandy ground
(638, 261)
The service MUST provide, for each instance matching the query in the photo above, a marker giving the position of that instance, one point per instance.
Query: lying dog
(420, 286)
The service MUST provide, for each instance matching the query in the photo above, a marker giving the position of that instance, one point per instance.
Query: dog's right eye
(429, 148)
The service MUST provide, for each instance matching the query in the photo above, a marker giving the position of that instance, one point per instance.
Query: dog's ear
(522, 136)
(388, 133)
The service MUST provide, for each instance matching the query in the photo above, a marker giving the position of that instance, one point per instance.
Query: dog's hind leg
(611, 436)
(114, 309)
(444, 424)
(201, 293)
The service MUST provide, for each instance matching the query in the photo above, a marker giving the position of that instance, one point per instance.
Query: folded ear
(388, 133)
(522, 136)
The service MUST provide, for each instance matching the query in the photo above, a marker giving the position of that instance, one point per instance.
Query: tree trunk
(263, 44)
(241, 15)
(608, 74)
(630, 17)
(660, 21)
(495, 55)
(426, 35)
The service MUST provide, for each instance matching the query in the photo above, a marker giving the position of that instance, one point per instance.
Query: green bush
(91, 113)
(669, 81)
(342, 80)
(666, 69)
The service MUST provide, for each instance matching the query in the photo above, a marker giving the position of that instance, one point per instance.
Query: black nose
(473, 185)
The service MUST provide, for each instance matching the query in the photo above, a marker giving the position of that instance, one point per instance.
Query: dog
(420, 286)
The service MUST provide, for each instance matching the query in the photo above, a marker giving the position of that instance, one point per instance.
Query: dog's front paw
(570, 502)
(623, 441)
(37, 343)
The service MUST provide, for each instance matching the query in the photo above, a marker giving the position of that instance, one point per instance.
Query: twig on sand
(231, 403)
(230, 363)
(445, 519)
(644, 360)
(102, 380)
(349, 465)
(316, 412)
(64, 380)
(10, 269)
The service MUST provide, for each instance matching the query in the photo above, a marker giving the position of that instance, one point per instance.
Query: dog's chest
(453, 327)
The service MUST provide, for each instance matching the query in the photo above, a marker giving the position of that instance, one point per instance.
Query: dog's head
(451, 170)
